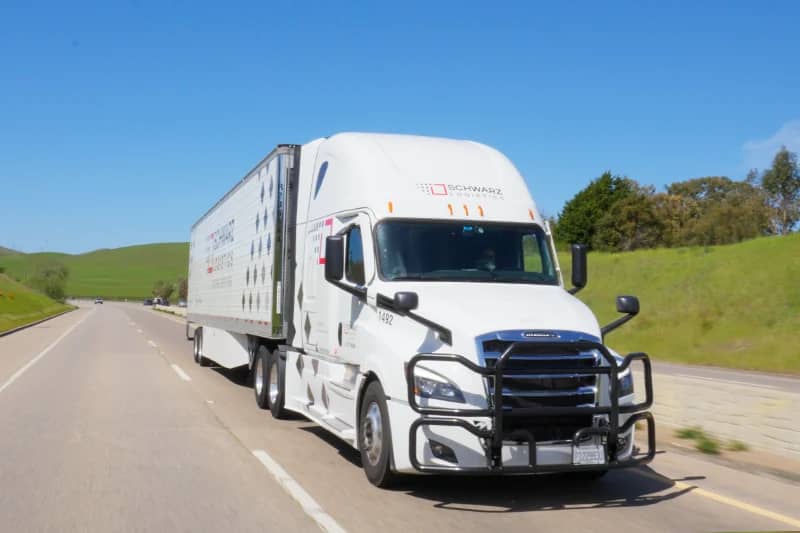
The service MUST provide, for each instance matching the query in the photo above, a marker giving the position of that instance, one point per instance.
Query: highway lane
(210, 424)
(100, 435)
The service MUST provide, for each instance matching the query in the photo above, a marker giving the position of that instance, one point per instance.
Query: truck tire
(276, 384)
(375, 437)
(260, 378)
(198, 348)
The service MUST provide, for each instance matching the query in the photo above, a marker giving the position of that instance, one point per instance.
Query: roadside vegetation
(615, 213)
(705, 443)
(20, 305)
(735, 306)
(167, 289)
(119, 273)
(714, 262)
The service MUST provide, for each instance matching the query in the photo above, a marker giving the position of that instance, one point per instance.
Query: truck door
(331, 316)
(347, 309)
(347, 312)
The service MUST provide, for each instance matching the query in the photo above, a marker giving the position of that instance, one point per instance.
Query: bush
(51, 279)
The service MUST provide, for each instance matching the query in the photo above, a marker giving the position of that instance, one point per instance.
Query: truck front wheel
(375, 437)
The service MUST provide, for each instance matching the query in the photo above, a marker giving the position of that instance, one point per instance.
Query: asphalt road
(108, 425)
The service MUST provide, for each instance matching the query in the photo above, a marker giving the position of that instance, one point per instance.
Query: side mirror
(628, 305)
(405, 301)
(334, 258)
(578, 267)
(625, 304)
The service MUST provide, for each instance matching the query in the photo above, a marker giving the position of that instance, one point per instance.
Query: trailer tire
(260, 378)
(198, 348)
(276, 384)
(375, 437)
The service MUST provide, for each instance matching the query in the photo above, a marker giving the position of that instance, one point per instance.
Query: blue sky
(121, 123)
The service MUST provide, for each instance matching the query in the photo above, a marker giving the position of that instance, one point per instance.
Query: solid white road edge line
(728, 381)
(183, 375)
(44, 352)
(298, 493)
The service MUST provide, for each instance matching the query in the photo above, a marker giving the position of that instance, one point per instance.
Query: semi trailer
(404, 293)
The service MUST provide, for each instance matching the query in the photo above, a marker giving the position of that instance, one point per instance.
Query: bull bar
(493, 436)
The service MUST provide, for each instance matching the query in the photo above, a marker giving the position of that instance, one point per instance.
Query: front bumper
(613, 438)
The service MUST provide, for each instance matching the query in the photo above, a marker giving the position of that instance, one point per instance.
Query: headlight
(625, 387)
(438, 390)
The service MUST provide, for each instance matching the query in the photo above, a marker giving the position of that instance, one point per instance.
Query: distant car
(148, 301)
(181, 303)
(98, 300)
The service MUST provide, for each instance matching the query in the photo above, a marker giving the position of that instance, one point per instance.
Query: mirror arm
(574, 290)
(445, 335)
(615, 324)
(358, 292)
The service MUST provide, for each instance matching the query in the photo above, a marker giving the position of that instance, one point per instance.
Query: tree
(580, 216)
(632, 222)
(713, 210)
(781, 182)
(183, 289)
(51, 279)
(163, 290)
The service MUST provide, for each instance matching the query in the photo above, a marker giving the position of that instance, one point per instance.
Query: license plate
(588, 454)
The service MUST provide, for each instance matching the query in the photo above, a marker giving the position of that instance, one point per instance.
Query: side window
(532, 254)
(354, 264)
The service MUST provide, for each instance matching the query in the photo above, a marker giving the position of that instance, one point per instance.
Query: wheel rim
(372, 433)
(259, 376)
(273, 383)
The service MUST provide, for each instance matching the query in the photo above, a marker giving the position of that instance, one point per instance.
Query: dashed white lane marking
(151, 343)
(132, 323)
(738, 504)
(44, 352)
(729, 381)
(298, 493)
(139, 331)
(183, 375)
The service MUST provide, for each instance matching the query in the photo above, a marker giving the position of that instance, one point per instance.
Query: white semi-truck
(404, 293)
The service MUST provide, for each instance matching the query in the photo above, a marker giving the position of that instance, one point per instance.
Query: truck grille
(525, 386)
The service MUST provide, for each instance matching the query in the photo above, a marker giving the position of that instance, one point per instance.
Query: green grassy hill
(128, 272)
(7, 251)
(736, 306)
(20, 305)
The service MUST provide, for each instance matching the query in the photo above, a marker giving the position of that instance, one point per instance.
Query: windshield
(458, 251)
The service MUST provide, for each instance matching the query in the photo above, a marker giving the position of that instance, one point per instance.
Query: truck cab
(426, 263)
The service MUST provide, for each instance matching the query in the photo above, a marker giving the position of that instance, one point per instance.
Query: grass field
(735, 306)
(128, 272)
(20, 305)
